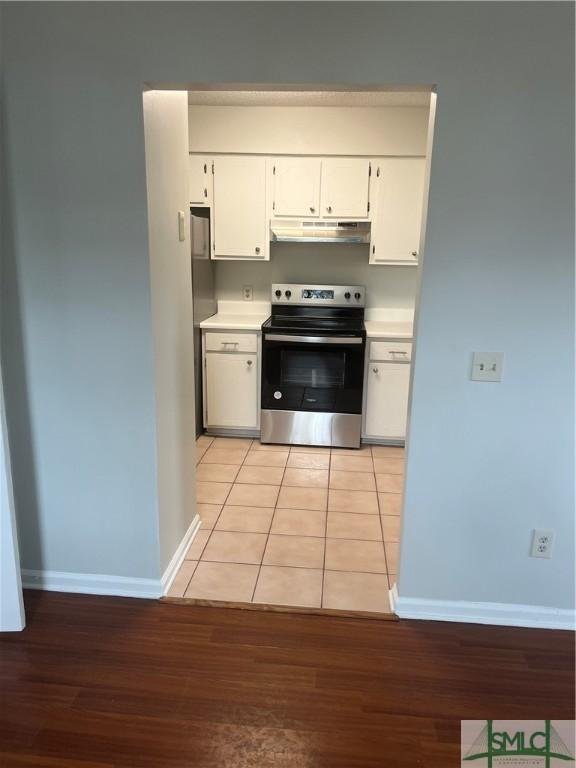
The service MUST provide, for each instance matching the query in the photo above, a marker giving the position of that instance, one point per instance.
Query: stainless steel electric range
(313, 366)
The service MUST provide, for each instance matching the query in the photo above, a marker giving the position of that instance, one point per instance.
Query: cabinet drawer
(390, 351)
(231, 342)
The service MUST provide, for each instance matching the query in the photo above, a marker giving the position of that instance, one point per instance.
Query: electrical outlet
(487, 366)
(542, 541)
(247, 293)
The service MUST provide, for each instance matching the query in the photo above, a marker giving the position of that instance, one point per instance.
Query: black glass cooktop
(341, 325)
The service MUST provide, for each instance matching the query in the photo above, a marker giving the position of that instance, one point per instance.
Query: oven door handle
(314, 339)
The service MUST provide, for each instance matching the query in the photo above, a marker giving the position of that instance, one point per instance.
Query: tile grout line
(300, 535)
(211, 531)
(326, 529)
(381, 526)
(269, 528)
(197, 561)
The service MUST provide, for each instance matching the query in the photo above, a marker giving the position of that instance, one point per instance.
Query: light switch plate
(181, 227)
(487, 366)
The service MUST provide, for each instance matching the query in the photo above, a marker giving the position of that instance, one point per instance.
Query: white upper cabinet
(200, 179)
(345, 188)
(397, 220)
(239, 214)
(296, 186)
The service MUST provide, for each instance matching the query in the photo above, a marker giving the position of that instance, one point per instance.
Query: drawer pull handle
(248, 362)
(375, 370)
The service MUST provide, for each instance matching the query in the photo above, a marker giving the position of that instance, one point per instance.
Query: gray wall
(486, 462)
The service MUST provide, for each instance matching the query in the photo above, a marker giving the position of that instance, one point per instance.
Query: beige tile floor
(300, 526)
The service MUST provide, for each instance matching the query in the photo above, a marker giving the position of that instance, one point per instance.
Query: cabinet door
(240, 226)
(398, 218)
(199, 179)
(296, 184)
(387, 400)
(231, 390)
(345, 188)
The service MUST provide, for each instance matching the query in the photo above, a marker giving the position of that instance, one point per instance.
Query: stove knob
(347, 295)
(278, 293)
(288, 294)
(357, 296)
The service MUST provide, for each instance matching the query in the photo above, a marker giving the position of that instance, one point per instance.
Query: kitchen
(307, 213)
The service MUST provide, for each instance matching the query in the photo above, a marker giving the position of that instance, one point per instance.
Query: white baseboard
(179, 555)
(91, 584)
(120, 586)
(502, 614)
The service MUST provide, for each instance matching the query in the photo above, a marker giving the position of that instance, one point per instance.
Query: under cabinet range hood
(295, 231)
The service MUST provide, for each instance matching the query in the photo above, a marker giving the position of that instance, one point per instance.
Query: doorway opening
(305, 221)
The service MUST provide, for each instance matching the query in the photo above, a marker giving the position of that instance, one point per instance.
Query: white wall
(486, 462)
(313, 263)
(11, 602)
(309, 130)
(166, 135)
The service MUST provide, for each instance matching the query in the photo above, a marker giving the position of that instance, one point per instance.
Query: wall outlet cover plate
(542, 541)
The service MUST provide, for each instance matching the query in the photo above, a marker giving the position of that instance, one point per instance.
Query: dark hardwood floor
(97, 682)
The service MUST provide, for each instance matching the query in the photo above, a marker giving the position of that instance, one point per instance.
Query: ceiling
(301, 98)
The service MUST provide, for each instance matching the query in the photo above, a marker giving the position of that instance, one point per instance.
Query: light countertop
(238, 316)
(384, 323)
(248, 316)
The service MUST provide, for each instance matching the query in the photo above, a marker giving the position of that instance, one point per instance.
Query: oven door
(312, 373)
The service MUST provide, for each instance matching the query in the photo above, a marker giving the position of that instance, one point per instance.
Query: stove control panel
(325, 295)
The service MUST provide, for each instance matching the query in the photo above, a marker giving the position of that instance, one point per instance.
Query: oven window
(310, 368)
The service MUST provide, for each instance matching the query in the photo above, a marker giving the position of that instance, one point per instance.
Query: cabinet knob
(257, 249)
(375, 370)
(329, 208)
(414, 253)
(312, 209)
(248, 362)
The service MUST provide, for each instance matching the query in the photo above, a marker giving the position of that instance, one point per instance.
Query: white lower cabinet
(231, 389)
(387, 388)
